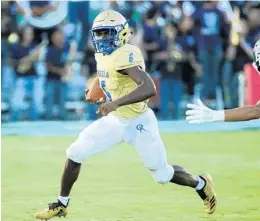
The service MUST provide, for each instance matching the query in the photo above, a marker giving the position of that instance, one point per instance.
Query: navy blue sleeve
(223, 26)
(49, 55)
(222, 23)
(163, 44)
(66, 47)
(196, 15)
(151, 34)
(14, 51)
(186, 44)
(39, 3)
(146, 37)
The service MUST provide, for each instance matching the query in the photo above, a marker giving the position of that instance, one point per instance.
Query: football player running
(126, 117)
(199, 113)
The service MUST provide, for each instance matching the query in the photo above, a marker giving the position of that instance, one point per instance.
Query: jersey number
(131, 58)
(108, 95)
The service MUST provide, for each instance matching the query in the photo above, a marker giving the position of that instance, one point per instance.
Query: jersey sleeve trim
(137, 63)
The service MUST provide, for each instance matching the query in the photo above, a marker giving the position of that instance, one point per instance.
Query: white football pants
(142, 132)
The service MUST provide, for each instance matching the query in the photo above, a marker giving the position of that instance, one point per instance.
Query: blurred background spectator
(192, 49)
(22, 57)
(79, 19)
(209, 31)
(56, 87)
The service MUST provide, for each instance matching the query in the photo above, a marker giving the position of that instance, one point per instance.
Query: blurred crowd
(192, 49)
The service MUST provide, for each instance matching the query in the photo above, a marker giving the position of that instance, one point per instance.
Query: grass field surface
(115, 186)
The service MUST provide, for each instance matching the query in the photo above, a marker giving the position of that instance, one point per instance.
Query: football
(94, 93)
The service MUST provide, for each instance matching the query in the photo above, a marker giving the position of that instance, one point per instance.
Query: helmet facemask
(106, 39)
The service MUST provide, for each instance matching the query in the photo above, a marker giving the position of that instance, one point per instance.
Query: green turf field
(114, 186)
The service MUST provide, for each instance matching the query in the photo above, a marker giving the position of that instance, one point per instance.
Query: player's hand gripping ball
(105, 109)
(94, 94)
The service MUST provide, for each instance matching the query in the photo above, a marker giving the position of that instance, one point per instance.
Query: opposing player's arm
(243, 113)
(146, 88)
(199, 113)
(247, 112)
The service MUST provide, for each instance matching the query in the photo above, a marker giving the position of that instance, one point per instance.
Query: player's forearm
(54, 69)
(39, 11)
(141, 93)
(243, 113)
